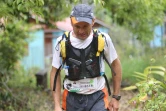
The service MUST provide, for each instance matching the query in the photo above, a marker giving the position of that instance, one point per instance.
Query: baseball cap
(82, 13)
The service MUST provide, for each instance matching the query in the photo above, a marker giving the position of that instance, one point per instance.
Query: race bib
(75, 86)
(88, 83)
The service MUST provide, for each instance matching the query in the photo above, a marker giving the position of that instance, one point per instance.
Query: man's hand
(113, 105)
(57, 108)
(117, 77)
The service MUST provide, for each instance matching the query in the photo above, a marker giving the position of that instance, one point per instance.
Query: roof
(64, 25)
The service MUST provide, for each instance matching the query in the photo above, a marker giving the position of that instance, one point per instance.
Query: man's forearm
(57, 93)
(116, 65)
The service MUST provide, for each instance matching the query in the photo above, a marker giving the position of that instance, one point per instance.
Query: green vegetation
(138, 16)
(19, 93)
(131, 65)
(152, 89)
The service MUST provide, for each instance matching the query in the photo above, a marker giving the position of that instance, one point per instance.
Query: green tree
(138, 16)
(13, 11)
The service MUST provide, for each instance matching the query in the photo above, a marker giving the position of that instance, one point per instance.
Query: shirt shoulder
(106, 35)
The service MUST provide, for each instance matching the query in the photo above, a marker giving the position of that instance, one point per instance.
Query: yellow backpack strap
(63, 54)
(95, 30)
(63, 44)
(101, 43)
(100, 47)
(67, 34)
(63, 49)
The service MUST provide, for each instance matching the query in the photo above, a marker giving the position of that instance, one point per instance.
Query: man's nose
(81, 30)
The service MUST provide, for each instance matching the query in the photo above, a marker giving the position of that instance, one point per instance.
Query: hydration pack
(98, 42)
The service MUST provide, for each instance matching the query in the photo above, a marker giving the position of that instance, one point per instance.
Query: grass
(130, 66)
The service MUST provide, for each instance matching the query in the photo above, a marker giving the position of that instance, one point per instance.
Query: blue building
(159, 37)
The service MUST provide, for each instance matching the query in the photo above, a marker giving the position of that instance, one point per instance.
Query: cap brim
(81, 19)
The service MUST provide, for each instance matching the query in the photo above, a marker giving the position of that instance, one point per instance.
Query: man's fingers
(110, 107)
(115, 109)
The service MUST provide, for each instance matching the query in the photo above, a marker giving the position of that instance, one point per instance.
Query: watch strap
(117, 97)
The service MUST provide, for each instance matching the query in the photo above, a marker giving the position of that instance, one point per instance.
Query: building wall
(158, 37)
(35, 56)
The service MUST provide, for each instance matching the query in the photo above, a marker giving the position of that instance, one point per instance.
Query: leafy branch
(151, 91)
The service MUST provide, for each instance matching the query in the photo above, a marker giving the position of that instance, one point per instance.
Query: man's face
(82, 30)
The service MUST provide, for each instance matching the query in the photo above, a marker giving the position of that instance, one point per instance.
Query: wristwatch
(117, 97)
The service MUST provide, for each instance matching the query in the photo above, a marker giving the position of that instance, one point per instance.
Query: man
(84, 89)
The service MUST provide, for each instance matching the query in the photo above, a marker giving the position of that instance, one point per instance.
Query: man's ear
(93, 22)
(71, 22)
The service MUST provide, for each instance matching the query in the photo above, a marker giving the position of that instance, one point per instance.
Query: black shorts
(97, 101)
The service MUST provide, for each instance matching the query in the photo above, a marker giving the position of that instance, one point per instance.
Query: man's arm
(117, 77)
(57, 93)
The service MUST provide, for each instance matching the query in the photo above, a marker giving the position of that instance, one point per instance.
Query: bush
(151, 96)
(21, 94)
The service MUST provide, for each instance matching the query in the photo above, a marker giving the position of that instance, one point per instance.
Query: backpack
(100, 52)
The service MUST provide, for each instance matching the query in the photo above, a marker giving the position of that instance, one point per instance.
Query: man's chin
(83, 37)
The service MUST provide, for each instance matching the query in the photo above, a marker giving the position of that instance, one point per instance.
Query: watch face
(116, 97)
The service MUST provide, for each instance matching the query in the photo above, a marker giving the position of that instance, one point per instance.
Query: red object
(64, 25)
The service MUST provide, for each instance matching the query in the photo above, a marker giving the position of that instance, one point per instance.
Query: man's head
(82, 20)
